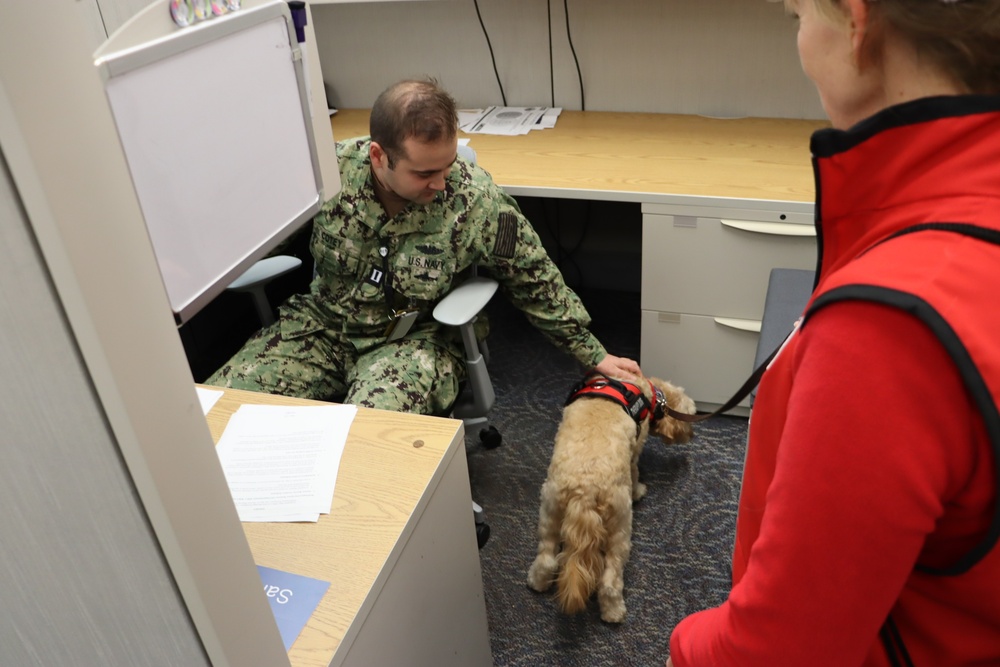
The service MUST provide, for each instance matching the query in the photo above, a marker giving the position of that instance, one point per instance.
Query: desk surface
(643, 157)
(388, 463)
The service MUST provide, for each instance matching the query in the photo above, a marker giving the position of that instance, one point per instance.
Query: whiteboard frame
(148, 40)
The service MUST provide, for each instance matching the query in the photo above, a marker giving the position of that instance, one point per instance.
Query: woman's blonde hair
(961, 38)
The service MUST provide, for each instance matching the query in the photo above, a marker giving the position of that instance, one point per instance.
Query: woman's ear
(857, 16)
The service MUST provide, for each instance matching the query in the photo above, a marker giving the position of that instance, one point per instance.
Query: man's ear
(378, 155)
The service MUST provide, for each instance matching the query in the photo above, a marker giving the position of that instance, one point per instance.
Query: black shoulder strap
(895, 648)
(971, 376)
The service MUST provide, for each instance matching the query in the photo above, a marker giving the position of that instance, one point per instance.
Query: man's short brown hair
(412, 109)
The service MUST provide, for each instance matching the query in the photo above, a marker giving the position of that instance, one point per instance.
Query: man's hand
(669, 664)
(617, 366)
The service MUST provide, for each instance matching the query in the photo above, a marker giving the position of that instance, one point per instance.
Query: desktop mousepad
(293, 598)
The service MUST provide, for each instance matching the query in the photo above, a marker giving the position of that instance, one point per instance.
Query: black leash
(740, 394)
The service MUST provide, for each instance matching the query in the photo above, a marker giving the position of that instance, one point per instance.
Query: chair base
(490, 437)
(478, 428)
(482, 528)
(482, 534)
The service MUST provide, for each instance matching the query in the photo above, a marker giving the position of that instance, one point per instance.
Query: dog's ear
(670, 429)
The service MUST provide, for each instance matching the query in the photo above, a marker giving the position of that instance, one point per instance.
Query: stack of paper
(507, 120)
(281, 462)
(208, 398)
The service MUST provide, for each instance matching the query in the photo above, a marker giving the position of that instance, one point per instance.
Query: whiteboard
(215, 126)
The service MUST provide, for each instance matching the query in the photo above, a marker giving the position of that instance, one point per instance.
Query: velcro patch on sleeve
(506, 241)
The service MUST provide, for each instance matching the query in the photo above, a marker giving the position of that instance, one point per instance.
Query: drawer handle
(777, 228)
(742, 325)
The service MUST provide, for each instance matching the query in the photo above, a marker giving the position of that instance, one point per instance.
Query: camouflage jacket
(430, 249)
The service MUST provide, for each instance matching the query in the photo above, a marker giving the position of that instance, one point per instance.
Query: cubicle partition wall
(216, 126)
(121, 542)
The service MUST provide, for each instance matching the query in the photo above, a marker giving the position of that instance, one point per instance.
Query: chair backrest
(467, 153)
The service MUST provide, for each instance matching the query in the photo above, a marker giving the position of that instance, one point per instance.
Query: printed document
(507, 120)
(281, 462)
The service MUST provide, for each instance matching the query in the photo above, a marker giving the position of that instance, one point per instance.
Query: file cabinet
(704, 278)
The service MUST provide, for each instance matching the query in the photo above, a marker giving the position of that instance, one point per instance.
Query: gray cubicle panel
(122, 545)
(216, 127)
(788, 292)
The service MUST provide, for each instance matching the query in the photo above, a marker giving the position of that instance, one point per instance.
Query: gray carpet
(682, 530)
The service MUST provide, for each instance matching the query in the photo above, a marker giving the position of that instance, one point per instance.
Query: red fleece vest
(883, 236)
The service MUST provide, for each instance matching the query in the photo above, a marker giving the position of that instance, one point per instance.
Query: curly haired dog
(585, 518)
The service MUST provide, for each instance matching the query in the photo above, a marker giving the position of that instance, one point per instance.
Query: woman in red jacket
(869, 510)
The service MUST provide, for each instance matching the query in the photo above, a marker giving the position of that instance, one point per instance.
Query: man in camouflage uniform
(410, 220)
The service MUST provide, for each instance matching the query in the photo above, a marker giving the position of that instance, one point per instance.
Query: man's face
(420, 175)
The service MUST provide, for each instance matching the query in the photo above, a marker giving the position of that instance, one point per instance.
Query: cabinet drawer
(710, 357)
(717, 266)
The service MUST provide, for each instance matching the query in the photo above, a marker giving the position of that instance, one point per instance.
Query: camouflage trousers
(403, 376)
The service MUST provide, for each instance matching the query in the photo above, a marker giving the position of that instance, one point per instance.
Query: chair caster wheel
(482, 534)
(490, 437)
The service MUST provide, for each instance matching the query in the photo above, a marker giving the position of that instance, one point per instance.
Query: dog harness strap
(625, 394)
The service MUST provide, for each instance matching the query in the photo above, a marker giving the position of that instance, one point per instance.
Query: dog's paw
(611, 599)
(613, 611)
(541, 574)
(638, 491)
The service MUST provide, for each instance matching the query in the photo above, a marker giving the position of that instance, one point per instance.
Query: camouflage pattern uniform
(330, 343)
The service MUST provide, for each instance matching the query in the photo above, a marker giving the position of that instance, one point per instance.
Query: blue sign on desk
(293, 598)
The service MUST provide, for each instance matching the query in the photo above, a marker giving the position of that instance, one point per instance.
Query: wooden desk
(642, 157)
(723, 202)
(399, 546)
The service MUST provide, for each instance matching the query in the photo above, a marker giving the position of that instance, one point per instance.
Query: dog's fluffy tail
(582, 557)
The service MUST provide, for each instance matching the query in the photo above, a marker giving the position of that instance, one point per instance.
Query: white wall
(103, 17)
(712, 57)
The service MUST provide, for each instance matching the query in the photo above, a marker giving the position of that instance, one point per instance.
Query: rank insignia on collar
(375, 276)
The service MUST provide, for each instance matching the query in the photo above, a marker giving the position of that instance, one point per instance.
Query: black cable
(552, 72)
(569, 37)
(587, 217)
(565, 257)
(492, 57)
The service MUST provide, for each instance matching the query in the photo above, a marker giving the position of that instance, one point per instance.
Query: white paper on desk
(208, 398)
(509, 120)
(281, 462)
(467, 118)
(549, 118)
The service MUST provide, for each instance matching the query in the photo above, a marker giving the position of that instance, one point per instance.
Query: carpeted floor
(682, 530)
